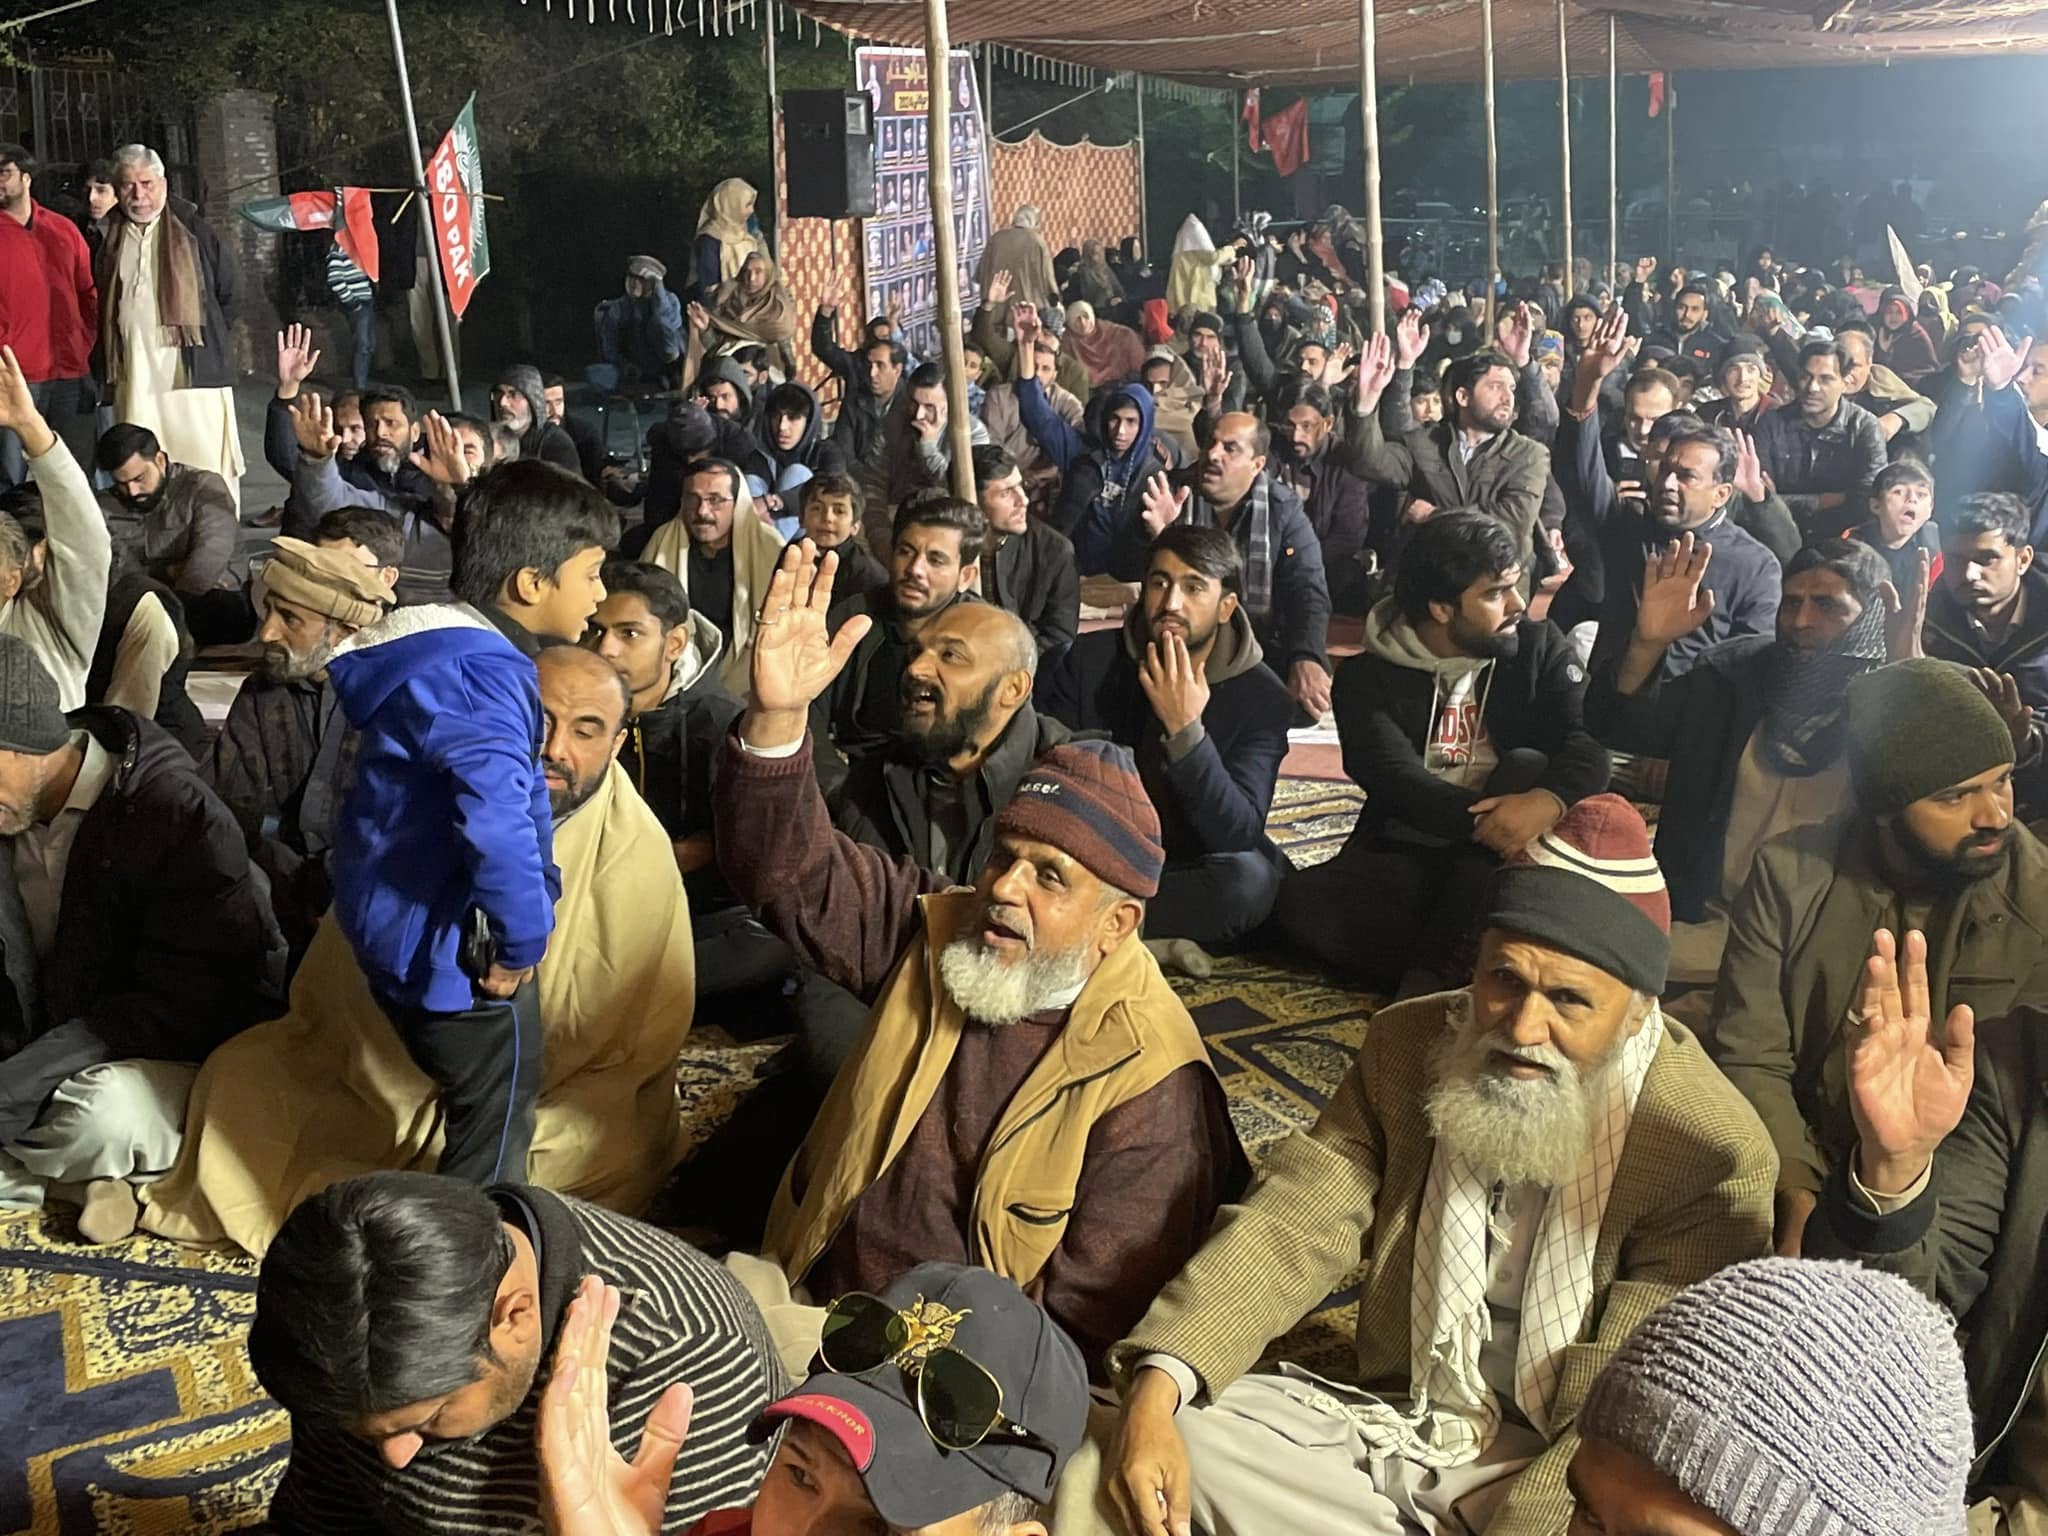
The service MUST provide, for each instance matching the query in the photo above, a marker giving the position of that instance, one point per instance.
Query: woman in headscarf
(725, 235)
(1191, 285)
(1094, 283)
(1140, 282)
(1110, 352)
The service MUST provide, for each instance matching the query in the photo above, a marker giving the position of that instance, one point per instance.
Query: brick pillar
(235, 150)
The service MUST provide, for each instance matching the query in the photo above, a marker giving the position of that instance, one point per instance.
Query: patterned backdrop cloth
(126, 1399)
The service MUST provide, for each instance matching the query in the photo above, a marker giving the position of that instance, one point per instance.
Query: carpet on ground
(126, 1400)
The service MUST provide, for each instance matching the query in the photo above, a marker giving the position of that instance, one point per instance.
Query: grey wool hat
(31, 717)
(1792, 1397)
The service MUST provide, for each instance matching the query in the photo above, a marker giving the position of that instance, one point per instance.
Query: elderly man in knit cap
(1525, 1168)
(135, 940)
(276, 759)
(640, 332)
(1778, 1399)
(1028, 1095)
(1931, 844)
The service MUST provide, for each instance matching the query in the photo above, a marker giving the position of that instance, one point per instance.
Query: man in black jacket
(1285, 590)
(871, 383)
(1461, 723)
(383, 474)
(1337, 502)
(132, 930)
(1027, 565)
(1181, 686)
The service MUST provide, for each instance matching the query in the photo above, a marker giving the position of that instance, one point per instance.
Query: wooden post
(1564, 147)
(775, 117)
(1369, 114)
(938, 66)
(1144, 197)
(1670, 169)
(1492, 165)
(1236, 177)
(988, 92)
(1613, 158)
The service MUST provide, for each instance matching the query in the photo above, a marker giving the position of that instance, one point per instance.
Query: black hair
(392, 394)
(1824, 346)
(753, 355)
(1311, 394)
(1998, 512)
(1720, 439)
(938, 509)
(928, 376)
(525, 516)
(553, 381)
(1653, 377)
(706, 464)
(1692, 288)
(1446, 555)
(1856, 328)
(482, 428)
(1671, 423)
(1901, 471)
(1468, 371)
(1425, 383)
(1862, 567)
(657, 588)
(18, 156)
(376, 531)
(1209, 550)
(789, 400)
(992, 461)
(100, 171)
(897, 354)
(123, 441)
(377, 1293)
(835, 483)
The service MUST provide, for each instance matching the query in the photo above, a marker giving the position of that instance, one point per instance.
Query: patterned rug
(126, 1401)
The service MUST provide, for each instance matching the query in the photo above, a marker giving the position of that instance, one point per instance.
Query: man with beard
(585, 704)
(1028, 1095)
(1692, 334)
(1743, 370)
(136, 941)
(1180, 685)
(1903, 414)
(387, 473)
(967, 737)
(1931, 844)
(1028, 566)
(722, 550)
(276, 761)
(919, 449)
(1526, 1168)
(1336, 501)
(933, 562)
(1460, 721)
(179, 525)
(1822, 451)
(519, 399)
(871, 384)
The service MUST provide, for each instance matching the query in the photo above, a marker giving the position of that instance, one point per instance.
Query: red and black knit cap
(1085, 798)
(1590, 887)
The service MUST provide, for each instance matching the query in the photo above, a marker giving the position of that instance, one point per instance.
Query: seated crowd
(1659, 1189)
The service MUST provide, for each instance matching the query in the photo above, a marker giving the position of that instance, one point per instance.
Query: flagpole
(443, 330)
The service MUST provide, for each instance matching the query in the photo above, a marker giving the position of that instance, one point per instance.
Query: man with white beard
(1027, 1094)
(1525, 1169)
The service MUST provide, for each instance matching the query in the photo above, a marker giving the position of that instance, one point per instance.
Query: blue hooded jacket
(446, 809)
(1101, 489)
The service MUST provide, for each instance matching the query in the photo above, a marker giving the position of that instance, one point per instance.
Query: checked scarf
(1258, 555)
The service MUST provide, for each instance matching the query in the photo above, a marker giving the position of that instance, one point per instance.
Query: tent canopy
(1315, 42)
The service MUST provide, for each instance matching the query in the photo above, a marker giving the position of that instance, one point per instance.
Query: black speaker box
(830, 140)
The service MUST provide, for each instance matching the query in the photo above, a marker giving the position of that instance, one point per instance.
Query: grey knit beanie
(31, 719)
(1792, 1397)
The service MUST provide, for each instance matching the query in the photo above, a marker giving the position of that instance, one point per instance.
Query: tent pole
(775, 120)
(1236, 178)
(1670, 168)
(938, 64)
(1144, 198)
(1369, 114)
(444, 333)
(1492, 165)
(988, 91)
(1613, 159)
(1564, 144)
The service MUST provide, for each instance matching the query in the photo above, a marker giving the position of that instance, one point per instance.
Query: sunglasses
(958, 1400)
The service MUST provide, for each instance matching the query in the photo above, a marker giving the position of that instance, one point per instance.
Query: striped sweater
(350, 283)
(683, 1318)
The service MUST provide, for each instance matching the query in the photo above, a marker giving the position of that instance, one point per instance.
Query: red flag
(455, 184)
(1250, 118)
(1656, 92)
(356, 231)
(1286, 134)
(345, 210)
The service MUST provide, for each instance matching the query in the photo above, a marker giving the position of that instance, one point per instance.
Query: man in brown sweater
(1028, 1093)
(1525, 1169)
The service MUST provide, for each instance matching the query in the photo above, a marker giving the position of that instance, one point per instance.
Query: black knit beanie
(1917, 727)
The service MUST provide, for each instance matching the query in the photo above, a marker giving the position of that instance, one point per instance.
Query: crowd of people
(1690, 1181)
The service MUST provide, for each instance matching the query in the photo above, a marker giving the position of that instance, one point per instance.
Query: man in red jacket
(58, 357)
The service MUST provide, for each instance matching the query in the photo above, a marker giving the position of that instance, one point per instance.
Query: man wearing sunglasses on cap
(945, 1406)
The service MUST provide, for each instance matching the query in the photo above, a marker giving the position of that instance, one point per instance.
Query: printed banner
(455, 184)
(355, 232)
(899, 245)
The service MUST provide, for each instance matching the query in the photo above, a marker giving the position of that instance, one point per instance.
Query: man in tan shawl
(754, 306)
(720, 538)
(330, 1091)
(1020, 251)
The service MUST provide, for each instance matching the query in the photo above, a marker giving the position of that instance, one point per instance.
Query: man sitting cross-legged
(1028, 1093)
(1526, 1168)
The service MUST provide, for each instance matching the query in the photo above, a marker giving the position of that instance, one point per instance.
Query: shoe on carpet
(110, 1212)
(1183, 955)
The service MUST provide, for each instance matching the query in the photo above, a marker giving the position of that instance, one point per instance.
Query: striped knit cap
(1792, 1397)
(1590, 887)
(1085, 798)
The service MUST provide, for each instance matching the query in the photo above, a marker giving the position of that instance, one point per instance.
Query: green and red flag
(455, 188)
(345, 210)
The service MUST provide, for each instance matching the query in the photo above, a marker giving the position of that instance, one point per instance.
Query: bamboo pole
(1492, 163)
(1670, 168)
(1369, 113)
(1564, 146)
(1613, 155)
(443, 331)
(775, 121)
(1236, 177)
(938, 64)
(1144, 196)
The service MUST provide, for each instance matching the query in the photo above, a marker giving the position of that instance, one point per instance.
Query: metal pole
(988, 91)
(1613, 158)
(1492, 162)
(1564, 146)
(443, 330)
(1670, 168)
(938, 66)
(1144, 199)
(1369, 113)
(775, 151)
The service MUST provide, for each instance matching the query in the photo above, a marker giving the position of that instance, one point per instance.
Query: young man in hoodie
(1181, 686)
(444, 884)
(519, 399)
(1028, 565)
(1460, 721)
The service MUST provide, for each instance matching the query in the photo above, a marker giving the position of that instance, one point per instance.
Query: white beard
(1511, 1130)
(998, 994)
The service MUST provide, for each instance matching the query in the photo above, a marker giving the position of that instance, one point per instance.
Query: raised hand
(894, 310)
(1177, 689)
(18, 407)
(998, 289)
(1609, 343)
(586, 1487)
(1907, 1090)
(1337, 364)
(297, 357)
(2002, 361)
(1674, 604)
(1749, 469)
(1375, 373)
(831, 297)
(1160, 504)
(1024, 320)
(795, 654)
(441, 460)
(2003, 690)
(1516, 333)
(1411, 338)
(700, 317)
(1905, 616)
(313, 422)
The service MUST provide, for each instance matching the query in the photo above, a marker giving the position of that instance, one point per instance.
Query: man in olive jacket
(1932, 845)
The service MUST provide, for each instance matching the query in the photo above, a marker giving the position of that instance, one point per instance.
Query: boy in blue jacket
(444, 879)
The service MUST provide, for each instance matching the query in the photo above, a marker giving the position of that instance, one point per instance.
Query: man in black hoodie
(1181, 686)
(871, 383)
(1460, 721)
(520, 400)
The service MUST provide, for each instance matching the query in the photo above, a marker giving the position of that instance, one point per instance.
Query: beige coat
(756, 547)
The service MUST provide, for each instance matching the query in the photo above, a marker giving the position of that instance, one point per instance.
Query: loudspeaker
(830, 139)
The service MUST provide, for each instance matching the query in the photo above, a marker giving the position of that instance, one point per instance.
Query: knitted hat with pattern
(1590, 887)
(1085, 798)
(31, 718)
(1791, 1397)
